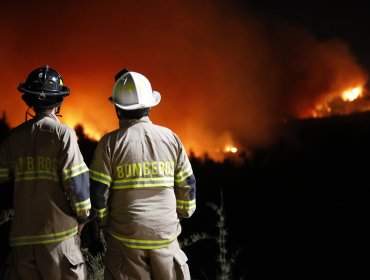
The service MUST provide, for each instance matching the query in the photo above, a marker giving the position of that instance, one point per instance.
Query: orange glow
(230, 149)
(214, 94)
(90, 129)
(352, 94)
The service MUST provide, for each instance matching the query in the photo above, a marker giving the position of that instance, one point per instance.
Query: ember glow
(219, 72)
(345, 102)
(352, 94)
(230, 149)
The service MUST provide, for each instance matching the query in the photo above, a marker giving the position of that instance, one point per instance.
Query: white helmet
(133, 91)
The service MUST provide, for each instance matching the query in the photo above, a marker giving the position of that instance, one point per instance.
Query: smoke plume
(226, 76)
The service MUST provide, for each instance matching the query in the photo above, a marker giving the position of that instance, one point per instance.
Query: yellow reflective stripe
(144, 244)
(74, 168)
(186, 205)
(36, 172)
(142, 186)
(143, 183)
(99, 180)
(100, 177)
(83, 202)
(4, 173)
(101, 174)
(36, 178)
(74, 171)
(80, 172)
(182, 172)
(35, 175)
(84, 205)
(102, 212)
(43, 239)
(144, 179)
(5, 176)
(181, 176)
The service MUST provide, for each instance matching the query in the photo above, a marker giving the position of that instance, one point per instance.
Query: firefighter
(142, 184)
(50, 183)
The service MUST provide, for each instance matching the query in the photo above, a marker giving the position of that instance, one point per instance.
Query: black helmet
(43, 88)
(44, 81)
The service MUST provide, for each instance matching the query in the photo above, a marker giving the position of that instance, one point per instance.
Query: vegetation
(6, 216)
(95, 262)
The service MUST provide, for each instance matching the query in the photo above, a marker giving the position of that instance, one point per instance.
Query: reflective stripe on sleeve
(102, 213)
(74, 171)
(42, 239)
(181, 176)
(185, 205)
(100, 177)
(83, 205)
(144, 244)
(143, 183)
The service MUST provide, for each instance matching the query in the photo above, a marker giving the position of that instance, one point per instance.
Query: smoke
(226, 77)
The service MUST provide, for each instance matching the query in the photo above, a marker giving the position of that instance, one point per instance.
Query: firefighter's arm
(75, 176)
(6, 179)
(185, 182)
(99, 197)
(4, 162)
(100, 180)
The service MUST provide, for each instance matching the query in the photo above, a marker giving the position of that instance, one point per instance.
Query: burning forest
(227, 79)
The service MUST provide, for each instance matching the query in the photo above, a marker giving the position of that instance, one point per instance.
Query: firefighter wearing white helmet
(50, 180)
(142, 184)
(133, 91)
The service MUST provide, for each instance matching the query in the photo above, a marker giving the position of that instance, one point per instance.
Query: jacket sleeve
(6, 177)
(75, 176)
(5, 163)
(184, 184)
(100, 181)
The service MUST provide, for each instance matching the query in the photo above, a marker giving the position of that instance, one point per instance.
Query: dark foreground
(286, 208)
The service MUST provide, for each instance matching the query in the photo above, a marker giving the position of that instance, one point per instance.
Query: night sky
(228, 71)
(345, 20)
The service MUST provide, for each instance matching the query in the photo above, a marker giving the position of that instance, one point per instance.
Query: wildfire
(352, 94)
(230, 149)
(346, 102)
(88, 128)
(92, 133)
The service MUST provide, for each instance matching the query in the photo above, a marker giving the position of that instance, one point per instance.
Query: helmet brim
(63, 92)
(156, 100)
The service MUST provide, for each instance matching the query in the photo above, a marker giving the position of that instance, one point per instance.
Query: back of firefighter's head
(43, 89)
(132, 95)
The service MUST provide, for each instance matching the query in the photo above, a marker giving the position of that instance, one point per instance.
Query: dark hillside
(286, 210)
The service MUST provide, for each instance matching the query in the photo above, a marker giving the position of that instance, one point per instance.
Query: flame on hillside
(352, 94)
(348, 101)
(230, 149)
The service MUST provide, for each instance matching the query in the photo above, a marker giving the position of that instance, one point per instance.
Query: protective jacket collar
(125, 123)
(44, 115)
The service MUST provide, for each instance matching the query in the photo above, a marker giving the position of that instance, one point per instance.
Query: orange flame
(230, 149)
(352, 94)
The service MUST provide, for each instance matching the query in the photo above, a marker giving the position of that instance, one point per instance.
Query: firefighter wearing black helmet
(51, 185)
(43, 89)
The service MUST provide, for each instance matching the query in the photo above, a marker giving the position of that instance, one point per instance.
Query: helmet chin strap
(57, 111)
(28, 113)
